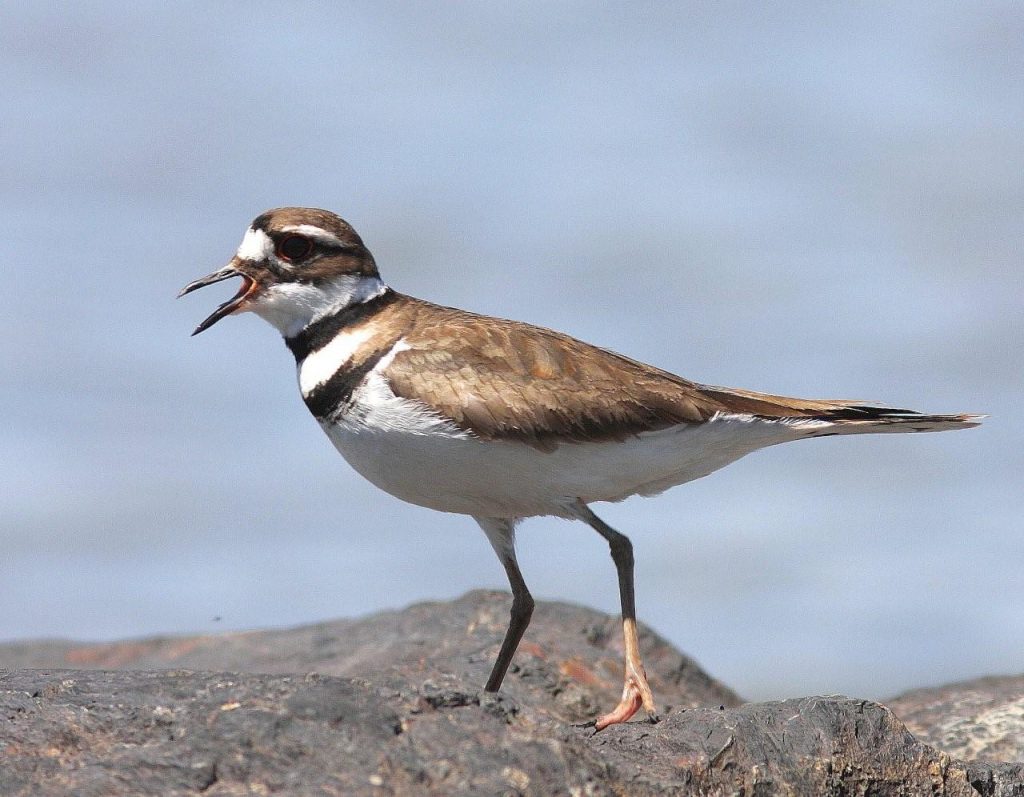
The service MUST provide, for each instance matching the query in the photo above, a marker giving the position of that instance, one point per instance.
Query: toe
(628, 706)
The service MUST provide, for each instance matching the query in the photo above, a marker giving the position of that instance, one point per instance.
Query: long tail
(826, 417)
(864, 419)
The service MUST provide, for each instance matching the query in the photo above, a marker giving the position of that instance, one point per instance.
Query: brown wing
(508, 380)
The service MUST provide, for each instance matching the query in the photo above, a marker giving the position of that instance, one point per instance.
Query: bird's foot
(636, 693)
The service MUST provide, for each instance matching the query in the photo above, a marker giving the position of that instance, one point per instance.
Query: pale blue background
(813, 200)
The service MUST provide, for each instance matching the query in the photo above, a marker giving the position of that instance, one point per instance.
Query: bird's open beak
(249, 286)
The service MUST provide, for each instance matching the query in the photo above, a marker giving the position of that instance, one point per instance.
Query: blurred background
(811, 200)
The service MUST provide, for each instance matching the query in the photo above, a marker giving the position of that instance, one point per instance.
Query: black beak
(249, 285)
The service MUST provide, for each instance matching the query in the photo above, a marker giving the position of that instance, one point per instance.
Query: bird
(503, 420)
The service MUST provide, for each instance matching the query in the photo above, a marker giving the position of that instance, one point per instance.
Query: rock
(982, 719)
(403, 714)
(570, 659)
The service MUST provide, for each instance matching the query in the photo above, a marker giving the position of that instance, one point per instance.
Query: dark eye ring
(294, 247)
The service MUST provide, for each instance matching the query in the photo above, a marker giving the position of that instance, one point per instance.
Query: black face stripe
(321, 332)
(336, 393)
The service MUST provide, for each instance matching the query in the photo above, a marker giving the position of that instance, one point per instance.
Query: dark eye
(294, 247)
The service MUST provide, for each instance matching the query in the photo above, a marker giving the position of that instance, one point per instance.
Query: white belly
(458, 473)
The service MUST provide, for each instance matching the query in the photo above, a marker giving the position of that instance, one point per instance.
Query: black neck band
(322, 331)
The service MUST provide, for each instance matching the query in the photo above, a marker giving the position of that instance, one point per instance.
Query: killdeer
(497, 419)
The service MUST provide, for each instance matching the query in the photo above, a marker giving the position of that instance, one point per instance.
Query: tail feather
(822, 417)
(866, 419)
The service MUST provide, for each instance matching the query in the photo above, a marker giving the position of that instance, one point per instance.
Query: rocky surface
(981, 719)
(570, 660)
(396, 709)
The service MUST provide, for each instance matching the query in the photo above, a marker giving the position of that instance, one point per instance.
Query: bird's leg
(501, 534)
(636, 692)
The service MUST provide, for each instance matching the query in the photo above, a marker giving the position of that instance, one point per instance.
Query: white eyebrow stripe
(316, 233)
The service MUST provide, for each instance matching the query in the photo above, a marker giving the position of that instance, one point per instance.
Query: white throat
(292, 306)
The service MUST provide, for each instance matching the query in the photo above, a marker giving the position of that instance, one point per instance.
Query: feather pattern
(507, 380)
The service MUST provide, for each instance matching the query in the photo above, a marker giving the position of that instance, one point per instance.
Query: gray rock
(982, 719)
(570, 659)
(404, 715)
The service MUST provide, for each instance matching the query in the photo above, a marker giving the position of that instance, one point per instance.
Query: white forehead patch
(314, 232)
(256, 245)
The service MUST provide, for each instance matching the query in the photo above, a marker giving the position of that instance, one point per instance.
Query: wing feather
(509, 380)
(506, 380)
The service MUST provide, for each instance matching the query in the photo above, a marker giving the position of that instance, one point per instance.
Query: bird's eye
(294, 247)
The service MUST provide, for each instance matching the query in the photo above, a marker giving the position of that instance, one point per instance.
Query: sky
(820, 201)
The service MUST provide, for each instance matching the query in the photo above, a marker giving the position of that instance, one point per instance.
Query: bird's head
(296, 264)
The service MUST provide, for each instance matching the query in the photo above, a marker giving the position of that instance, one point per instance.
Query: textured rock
(570, 660)
(404, 715)
(982, 719)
